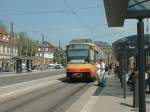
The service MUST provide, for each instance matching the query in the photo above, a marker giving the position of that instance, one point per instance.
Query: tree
(59, 55)
(26, 46)
(109, 54)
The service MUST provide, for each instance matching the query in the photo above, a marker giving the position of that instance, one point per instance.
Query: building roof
(81, 41)
(102, 44)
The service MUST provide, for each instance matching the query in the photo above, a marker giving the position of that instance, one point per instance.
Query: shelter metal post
(120, 68)
(141, 65)
(124, 85)
(124, 74)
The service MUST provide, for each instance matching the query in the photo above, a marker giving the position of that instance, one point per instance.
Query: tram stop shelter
(127, 46)
(116, 13)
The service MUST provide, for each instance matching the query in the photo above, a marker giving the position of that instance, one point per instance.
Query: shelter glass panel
(139, 5)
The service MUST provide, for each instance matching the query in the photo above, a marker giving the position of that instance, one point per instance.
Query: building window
(7, 48)
(40, 54)
(46, 49)
(0, 48)
(3, 48)
(14, 48)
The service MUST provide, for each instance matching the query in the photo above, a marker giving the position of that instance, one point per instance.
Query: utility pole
(20, 53)
(59, 50)
(12, 47)
(27, 48)
(31, 49)
(12, 37)
(43, 48)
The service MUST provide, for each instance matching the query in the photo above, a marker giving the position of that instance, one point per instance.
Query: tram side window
(92, 56)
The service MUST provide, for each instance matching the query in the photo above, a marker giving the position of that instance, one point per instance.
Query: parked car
(51, 66)
(58, 66)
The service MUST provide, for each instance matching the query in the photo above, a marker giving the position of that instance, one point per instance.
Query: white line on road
(25, 73)
(82, 101)
(19, 89)
(32, 81)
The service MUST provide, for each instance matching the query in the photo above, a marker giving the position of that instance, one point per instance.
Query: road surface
(41, 92)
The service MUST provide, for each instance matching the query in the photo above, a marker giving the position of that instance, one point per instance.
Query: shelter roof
(131, 40)
(119, 10)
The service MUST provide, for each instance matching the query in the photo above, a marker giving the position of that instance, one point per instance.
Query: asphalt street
(39, 92)
(8, 79)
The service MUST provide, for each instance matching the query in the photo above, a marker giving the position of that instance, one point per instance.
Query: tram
(81, 59)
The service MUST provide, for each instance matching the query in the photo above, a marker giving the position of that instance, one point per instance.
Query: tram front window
(78, 56)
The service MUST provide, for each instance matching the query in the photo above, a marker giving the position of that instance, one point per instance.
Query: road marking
(16, 90)
(24, 73)
(33, 81)
(82, 101)
(20, 92)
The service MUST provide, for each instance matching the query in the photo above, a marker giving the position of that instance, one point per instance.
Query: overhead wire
(26, 29)
(114, 33)
(56, 11)
(78, 18)
(73, 11)
(48, 12)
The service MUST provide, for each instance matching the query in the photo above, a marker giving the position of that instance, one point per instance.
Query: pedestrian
(132, 78)
(116, 69)
(100, 73)
(109, 68)
(148, 80)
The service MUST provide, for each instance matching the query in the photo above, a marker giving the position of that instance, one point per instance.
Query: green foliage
(109, 54)
(26, 46)
(59, 55)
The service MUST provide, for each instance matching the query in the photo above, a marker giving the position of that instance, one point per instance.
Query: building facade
(8, 48)
(45, 53)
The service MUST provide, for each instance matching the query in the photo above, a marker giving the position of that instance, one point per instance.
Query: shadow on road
(125, 104)
(74, 81)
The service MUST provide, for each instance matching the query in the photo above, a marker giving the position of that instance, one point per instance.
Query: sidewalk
(110, 99)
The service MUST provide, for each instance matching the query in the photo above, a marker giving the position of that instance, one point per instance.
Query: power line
(78, 17)
(26, 29)
(114, 33)
(49, 12)
(36, 31)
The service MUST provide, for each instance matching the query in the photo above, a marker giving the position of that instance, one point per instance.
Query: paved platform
(110, 99)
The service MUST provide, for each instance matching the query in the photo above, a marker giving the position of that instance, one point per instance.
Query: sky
(62, 20)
